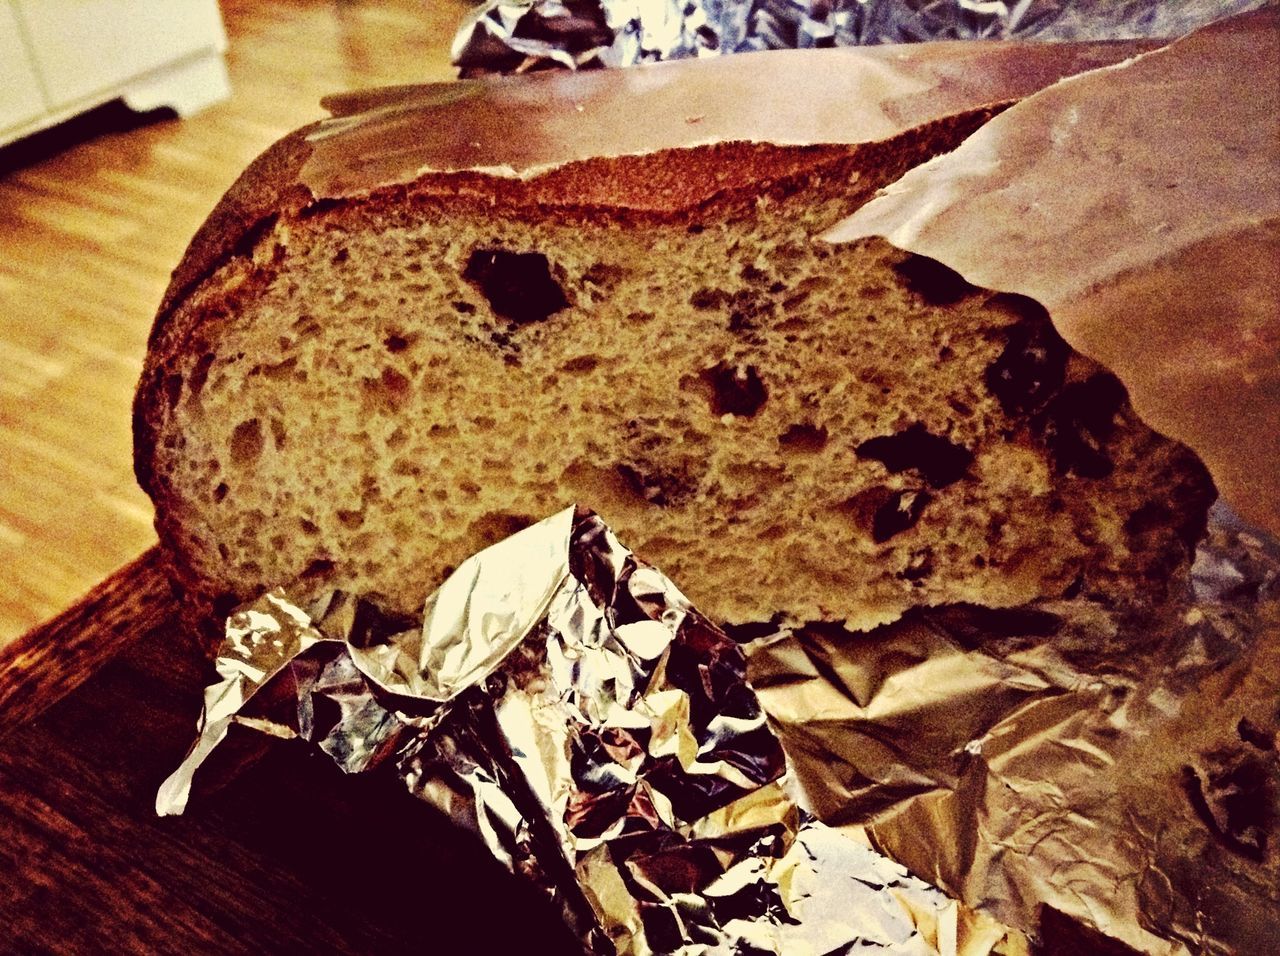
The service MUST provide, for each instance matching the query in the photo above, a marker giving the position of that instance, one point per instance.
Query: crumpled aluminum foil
(513, 36)
(1064, 761)
(1060, 765)
(563, 700)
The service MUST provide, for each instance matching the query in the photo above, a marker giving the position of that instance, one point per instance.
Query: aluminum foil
(1067, 767)
(563, 701)
(514, 36)
(1064, 762)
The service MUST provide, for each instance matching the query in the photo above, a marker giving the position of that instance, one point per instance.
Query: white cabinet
(20, 97)
(69, 55)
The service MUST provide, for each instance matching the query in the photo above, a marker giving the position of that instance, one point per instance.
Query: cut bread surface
(378, 389)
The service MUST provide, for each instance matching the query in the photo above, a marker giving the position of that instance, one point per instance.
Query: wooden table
(93, 217)
(99, 705)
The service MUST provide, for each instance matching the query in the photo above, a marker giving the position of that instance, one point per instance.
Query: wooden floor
(92, 222)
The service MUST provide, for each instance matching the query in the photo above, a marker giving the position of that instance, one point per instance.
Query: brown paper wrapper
(1141, 205)
(519, 127)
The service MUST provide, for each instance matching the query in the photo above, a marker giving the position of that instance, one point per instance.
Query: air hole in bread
(388, 391)
(349, 519)
(246, 443)
(881, 513)
(1078, 423)
(172, 390)
(306, 325)
(581, 363)
(899, 513)
(733, 389)
(280, 371)
(919, 565)
(278, 433)
(220, 492)
(318, 567)
(604, 275)
(938, 461)
(396, 342)
(308, 526)
(932, 281)
(804, 437)
(1033, 363)
(708, 299)
(517, 285)
(655, 484)
(493, 526)
(200, 374)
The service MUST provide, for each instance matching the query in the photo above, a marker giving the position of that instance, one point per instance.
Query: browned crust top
(581, 131)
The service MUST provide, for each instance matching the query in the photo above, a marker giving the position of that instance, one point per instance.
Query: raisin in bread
(364, 386)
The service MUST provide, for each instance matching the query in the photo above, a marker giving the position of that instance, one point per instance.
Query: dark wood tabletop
(98, 707)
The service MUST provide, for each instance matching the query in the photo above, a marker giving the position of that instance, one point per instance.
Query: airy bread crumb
(377, 389)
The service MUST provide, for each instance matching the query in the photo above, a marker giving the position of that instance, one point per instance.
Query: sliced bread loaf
(360, 385)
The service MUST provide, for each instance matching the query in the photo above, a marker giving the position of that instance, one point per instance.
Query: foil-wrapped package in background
(511, 36)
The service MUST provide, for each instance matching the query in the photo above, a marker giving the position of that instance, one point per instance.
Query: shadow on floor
(104, 120)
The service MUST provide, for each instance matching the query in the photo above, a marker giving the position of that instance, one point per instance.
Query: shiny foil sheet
(1065, 764)
(1099, 777)
(514, 36)
(563, 701)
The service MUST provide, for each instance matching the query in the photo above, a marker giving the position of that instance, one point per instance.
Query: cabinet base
(186, 87)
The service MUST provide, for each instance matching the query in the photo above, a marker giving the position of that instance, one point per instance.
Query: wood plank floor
(92, 219)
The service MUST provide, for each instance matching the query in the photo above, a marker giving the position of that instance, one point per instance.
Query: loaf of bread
(415, 328)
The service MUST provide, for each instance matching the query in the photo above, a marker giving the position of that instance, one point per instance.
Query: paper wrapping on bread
(510, 36)
(522, 126)
(1155, 181)
(562, 700)
(1086, 774)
